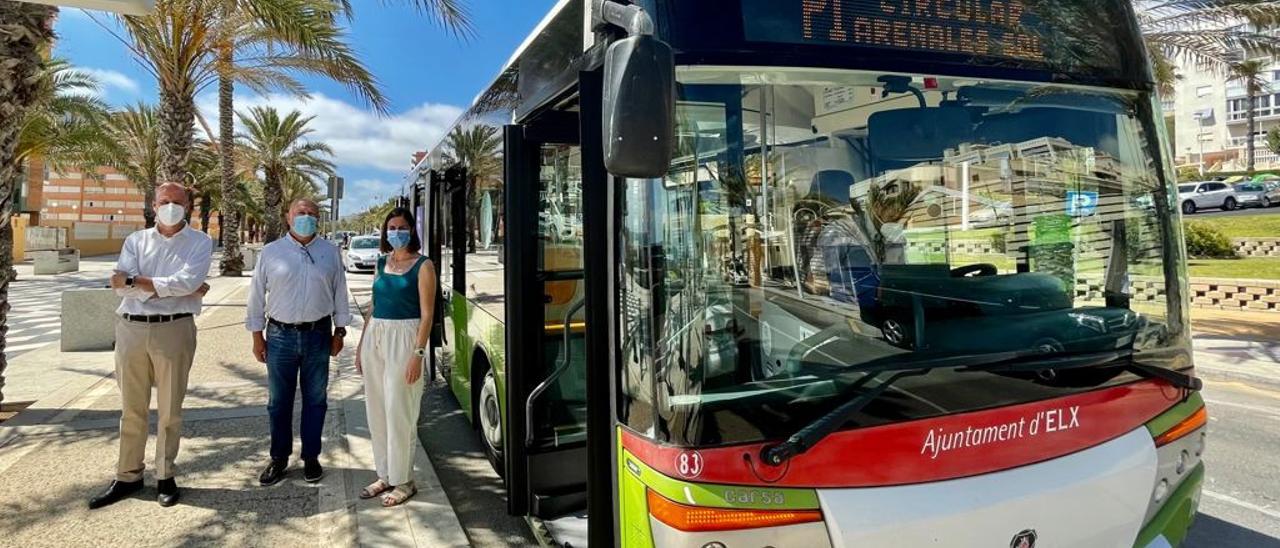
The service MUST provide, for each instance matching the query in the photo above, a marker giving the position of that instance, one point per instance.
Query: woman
(390, 356)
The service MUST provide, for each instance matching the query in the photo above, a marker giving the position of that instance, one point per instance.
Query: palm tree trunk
(232, 261)
(149, 203)
(206, 211)
(273, 194)
(1252, 125)
(177, 126)
(25, 30)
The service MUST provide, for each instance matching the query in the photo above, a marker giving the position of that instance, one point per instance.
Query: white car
(1206, 195)
(362, 255)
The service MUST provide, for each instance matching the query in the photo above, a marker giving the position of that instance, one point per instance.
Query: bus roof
(1066, 41)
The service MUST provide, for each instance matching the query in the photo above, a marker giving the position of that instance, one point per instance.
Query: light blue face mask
(398, 238)
(305, 225)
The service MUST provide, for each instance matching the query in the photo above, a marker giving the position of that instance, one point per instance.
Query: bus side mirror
(639, 107)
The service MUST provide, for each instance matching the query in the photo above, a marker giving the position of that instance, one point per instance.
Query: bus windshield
(816, 224)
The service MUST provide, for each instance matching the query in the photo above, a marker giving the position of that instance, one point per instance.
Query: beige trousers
(147, 355)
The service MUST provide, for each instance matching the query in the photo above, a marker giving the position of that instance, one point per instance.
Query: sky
(428, 76)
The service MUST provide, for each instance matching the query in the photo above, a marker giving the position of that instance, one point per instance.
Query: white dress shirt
(293, 283)
(177, 266)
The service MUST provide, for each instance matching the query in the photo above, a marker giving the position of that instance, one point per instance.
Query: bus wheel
(896, 331)
(491, 421)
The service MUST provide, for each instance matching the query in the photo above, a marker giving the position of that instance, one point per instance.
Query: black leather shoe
(168, 492)
(312, 471)
(115, 492)
(275, 472)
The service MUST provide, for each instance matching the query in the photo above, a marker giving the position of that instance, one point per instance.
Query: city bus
(727, 273)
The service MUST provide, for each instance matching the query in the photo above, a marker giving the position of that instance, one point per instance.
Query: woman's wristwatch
(420, 352)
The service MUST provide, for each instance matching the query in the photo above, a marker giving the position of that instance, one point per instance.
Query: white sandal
(399, 495)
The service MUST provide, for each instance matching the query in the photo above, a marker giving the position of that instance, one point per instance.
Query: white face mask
(170, 214)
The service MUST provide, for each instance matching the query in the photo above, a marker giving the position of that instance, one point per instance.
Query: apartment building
(1210, 120)
(107, 197)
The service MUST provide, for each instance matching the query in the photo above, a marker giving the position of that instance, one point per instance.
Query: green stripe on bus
(719, 496)
(1174, 519)
(1174, 415)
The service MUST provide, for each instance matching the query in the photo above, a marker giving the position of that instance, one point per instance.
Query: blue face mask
(398, 238)
(305, 225)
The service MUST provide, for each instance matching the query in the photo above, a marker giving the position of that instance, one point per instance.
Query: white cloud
(363, 193)
(359, 138)
(111, 79)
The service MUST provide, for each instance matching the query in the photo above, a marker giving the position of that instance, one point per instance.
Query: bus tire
(489, 418)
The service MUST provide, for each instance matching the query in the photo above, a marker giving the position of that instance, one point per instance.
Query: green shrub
(1204, 241)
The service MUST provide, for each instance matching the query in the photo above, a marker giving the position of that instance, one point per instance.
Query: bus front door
(546, 306)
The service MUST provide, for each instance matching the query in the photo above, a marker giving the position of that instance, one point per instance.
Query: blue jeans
(293, 356)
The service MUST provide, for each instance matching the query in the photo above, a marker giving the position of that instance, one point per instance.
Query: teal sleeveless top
(395, 296)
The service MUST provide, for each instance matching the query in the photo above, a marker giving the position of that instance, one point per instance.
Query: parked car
(1252, 195)
(1271, 192)
(1206, 195)
(363, 254)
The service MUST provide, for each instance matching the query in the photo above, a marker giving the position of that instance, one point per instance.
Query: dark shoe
(168, 492)
(117, 491)
(274, 472)
(312, 471)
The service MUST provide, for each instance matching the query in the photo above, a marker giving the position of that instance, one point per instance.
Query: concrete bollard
(250, 255)
(89, 319)
(55, 261)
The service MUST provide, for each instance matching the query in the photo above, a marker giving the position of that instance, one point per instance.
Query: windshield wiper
(811, 434)
(1094, 359)
(814, 432)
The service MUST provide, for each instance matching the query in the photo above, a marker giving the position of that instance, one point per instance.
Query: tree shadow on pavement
(474, 489)
(45, 492)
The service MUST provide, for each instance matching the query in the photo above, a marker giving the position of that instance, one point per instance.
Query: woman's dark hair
(403, 213)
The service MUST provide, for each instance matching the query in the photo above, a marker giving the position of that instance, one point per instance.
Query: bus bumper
(1170, 525)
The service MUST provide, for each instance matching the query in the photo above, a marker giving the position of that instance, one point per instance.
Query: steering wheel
(974, 270)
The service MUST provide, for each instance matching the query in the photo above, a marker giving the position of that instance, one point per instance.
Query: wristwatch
(420, 352)
(128, 281)
(340, 332)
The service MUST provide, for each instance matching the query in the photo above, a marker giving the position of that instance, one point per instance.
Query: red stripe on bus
(902, 453)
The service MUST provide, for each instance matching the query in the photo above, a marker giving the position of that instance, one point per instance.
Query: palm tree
(300, 38)
(1208, 35)
(1250, 73)
(134, 151)
(277, 147)
(65, 126)
(27, 31)
(476, 149)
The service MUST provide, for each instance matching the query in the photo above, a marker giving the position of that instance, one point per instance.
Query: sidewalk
(62, 449)
(1237, 345)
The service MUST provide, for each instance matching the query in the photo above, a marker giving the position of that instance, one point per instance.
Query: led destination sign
(976, 27)
(1060, 35)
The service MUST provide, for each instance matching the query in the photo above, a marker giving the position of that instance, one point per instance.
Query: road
(1274, 210)
(1240, 505)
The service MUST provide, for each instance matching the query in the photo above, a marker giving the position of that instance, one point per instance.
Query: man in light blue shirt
(298, 312)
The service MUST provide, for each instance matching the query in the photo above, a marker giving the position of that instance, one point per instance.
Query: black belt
(304, 326)
(155, 318)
